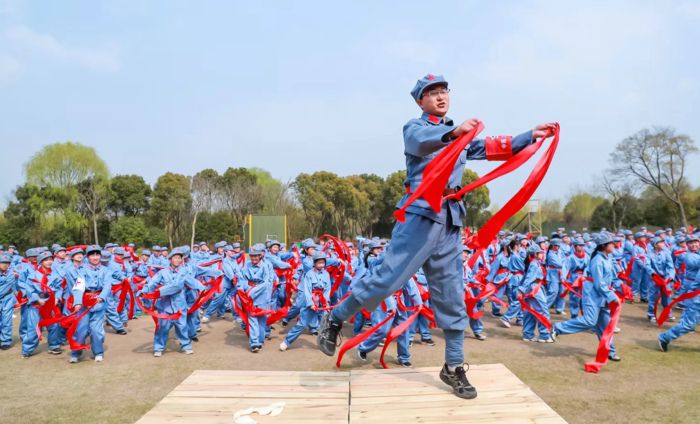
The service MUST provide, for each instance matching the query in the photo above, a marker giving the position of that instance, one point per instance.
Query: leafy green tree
(129, 195)
(475, 201)
(171, 204)
(579, 209)
(64, 165)
(657, 158)
(93, 193)
(129, 229)
(205, 191)
(240, 193)
(315, 193)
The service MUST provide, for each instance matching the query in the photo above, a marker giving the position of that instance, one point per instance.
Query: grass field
(647, 386)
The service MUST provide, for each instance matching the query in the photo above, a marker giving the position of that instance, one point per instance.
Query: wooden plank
(418, 395)
(212, 396)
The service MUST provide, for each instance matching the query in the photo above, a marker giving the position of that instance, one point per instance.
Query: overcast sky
(296, 87)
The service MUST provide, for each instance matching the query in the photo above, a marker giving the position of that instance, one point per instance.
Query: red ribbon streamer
(401, 328)
(351, 343)
(526, 307)
(437, 174)
(604, 344)
(668, 309)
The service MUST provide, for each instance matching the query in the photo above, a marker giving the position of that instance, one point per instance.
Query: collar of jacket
(436, 120)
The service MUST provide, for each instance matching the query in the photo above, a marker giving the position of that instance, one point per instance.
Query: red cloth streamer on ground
(604, 344)
(437, 174)
(152, 311)
(351, 343)
(661, 319)
(401, 328)
(527, 308)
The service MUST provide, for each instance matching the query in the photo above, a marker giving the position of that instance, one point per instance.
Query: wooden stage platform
(359, 396)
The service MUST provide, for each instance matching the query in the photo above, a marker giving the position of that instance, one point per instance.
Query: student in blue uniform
(577, 267)
(315, 293)
(555, 262)
(516, 266)
(536, 296)
(91, 289)
(597, 295)
(37, 288)
(170, 283)
(691, 314)
(256, 279)
(662, 273)
(8, 288)
(428, 239)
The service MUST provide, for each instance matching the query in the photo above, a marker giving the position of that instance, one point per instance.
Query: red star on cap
(430, 77)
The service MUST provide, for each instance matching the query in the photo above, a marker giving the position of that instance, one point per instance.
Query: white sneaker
(616, 330)
(505, 323)
(73, 360)
(189, 352)
(99, 358)
(205, 319)
(158, 354)
(283, 346)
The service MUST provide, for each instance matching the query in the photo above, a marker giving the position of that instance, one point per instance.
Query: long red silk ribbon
(526, 307)
(401, 328)
(437, 174)
(351, 343)
(668, 309)
(604, 344)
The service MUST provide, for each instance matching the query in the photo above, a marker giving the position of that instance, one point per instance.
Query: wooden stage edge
(356, 396)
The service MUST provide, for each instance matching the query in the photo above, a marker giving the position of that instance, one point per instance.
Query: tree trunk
(684, 220)
(614, 217)
(194, 225)
(94, 227)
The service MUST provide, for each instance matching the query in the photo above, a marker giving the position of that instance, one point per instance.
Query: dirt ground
(647, 386)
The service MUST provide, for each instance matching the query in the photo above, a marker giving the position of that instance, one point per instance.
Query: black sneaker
(56, 351)
(428, 342)
(121, 332)
(194, 339)
(663, 345)
(362, 355)
(285, 322)
(5, 347)
(328, 335)
(406, 364)
(459, 382)
(614, 358)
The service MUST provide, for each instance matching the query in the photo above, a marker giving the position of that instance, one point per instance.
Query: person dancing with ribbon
(533, 299)
(429, 235)
(597, 298)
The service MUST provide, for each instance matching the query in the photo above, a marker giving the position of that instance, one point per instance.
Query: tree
(369, 195)
(476, 201)
(240, 193)
(93, 198)
(579, 209)
(658, 159)
(171, 203)
(64, 165)
(129, 229)
(315, 192)
(129, 195)
(204, 187)
(392, 192)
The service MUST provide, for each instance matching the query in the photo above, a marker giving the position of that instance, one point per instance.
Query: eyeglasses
(437, 92)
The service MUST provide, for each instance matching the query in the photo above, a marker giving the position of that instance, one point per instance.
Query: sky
(297, 87)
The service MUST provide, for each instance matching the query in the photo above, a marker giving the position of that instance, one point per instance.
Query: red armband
(499, 148)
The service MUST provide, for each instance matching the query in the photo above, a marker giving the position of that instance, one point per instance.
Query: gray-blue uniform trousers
(426, 239)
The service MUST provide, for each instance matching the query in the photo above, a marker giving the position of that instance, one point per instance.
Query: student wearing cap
(91, 289)
(421, 325)
(60, 260)
(555, 271)
(170, 285)
(427, 238)
(577, 268)
(474, 287)
(231, 270)
(640, 271)
(277, 259)
(256, 280)
(535, 296)
(691, 314)
(597, 295)
(38, 288)
(118, 272)
(313, 296)
(193, 288)
(499, 274)
(516, 267)
(8, 288)
(663, 273)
